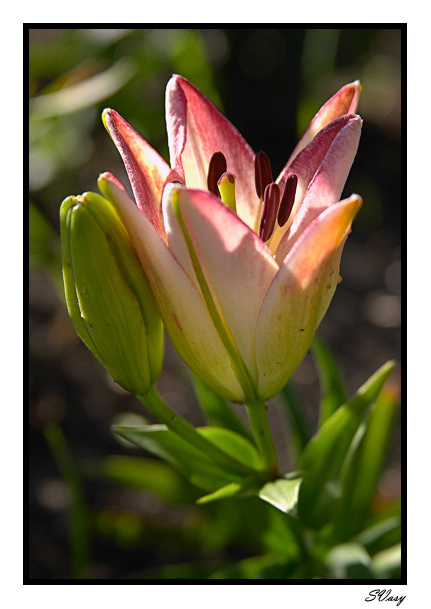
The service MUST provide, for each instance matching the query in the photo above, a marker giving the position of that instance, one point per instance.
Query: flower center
(269, 194)
(272, 206)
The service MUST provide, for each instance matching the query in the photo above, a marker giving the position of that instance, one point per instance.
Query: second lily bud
(107, 295)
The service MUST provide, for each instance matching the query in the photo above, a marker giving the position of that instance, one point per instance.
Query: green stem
(155, 404)
(262, 434)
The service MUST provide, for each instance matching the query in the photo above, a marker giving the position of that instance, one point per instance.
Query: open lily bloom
(242, 267)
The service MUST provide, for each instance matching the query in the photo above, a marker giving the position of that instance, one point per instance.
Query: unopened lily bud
(107, 295)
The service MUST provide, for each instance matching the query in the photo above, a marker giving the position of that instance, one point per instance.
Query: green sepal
(107, 294)
(323, 457)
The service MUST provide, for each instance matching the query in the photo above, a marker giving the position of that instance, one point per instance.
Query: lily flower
(242, 267)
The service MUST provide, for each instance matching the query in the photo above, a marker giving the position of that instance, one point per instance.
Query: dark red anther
(262, 173)
(287, 200)
(271, 199)
(216, 169)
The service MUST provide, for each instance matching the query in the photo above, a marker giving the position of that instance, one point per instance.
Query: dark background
(269, 82)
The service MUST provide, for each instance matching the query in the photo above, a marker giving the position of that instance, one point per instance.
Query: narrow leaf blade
(217, 410)
(361, 476)
(333, 389)
(324, 455)
(187, 459)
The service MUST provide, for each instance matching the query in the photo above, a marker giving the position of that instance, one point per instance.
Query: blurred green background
(269, 83)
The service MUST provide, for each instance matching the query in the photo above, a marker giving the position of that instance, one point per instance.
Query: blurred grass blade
(300, 432)
(144, 475)
(78, 513)
(186, 458)
(84, 94)
(217, 411)
(198, 570)
(381, 536)
(348, 561)
(387, 564)
(323, 456)
(42, 239)
(257, 567)
(362, 472)
(332, 386)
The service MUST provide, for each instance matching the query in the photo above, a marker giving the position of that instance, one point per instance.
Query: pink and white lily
(242, 279)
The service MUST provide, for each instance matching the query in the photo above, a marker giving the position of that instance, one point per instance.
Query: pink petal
(237, 265)
(326, 161)
(300, 295)
(345, 101)
(197, 129)
(174, 234)
(180, 304)
(146, 169)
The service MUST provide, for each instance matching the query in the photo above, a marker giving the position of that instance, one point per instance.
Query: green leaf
(233, 445)
(230, 490)
(300, 432)
(332, 387)
(324, 455)
(282, 493)
(217, 410)
(187, 459)
(362, 472)
(276, 531)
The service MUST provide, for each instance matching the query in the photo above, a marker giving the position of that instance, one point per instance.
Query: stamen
(226, 186)
(271, 199)
(262, 173)
(287, 200)
(216, 168)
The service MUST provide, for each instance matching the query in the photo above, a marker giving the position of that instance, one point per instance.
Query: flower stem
(262, 434)
(155, 404)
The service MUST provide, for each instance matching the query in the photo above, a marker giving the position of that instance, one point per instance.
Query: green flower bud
(107, 294)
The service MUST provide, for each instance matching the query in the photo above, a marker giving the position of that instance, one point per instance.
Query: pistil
(226, 186)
